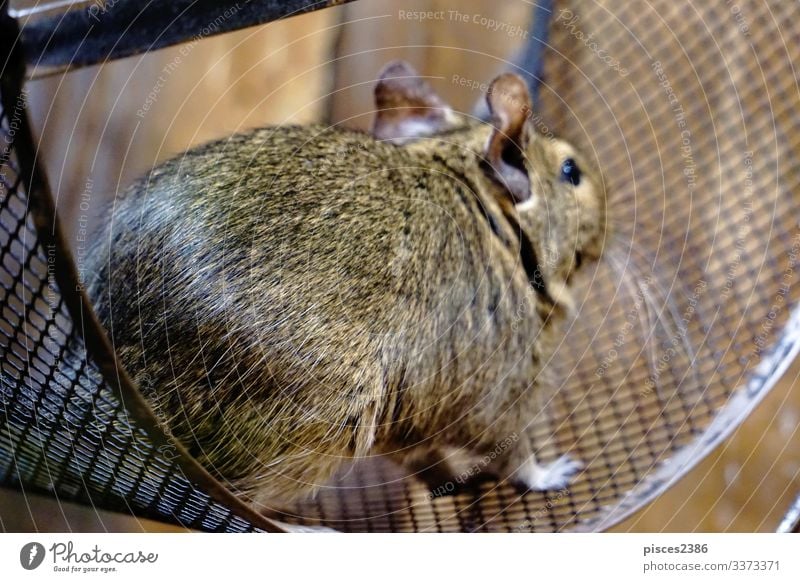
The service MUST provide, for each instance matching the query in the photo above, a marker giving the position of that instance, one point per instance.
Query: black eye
(570, 172)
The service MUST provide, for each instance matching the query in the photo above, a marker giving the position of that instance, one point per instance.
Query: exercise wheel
(693, 114)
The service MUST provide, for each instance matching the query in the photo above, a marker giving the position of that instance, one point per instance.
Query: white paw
(541, 477)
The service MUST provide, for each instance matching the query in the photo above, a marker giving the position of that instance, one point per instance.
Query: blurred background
(101, 127)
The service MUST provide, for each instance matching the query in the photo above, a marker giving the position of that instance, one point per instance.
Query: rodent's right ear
(510, 105)
(407, 107)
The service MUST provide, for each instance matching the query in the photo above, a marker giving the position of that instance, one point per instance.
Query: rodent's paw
(541, 477)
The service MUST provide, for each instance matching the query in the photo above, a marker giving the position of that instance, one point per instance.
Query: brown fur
(294, 297)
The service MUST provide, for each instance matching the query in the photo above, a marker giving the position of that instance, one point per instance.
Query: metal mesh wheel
(679, 332)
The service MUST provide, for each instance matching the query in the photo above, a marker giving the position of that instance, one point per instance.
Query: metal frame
(59, 36)
(791, 521)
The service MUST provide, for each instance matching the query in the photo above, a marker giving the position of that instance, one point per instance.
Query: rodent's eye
(570, 172)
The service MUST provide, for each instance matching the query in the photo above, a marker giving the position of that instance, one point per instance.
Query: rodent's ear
(407, 106)
(510, 105)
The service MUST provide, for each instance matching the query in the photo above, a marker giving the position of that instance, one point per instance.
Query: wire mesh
(678, 333)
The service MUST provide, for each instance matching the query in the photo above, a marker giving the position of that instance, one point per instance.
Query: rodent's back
(274, 293)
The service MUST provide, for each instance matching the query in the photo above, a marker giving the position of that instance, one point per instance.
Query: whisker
(682, 330)
(658, 300)
(649, 326)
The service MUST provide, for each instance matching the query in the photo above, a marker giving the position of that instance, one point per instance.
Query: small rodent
(294, 297)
